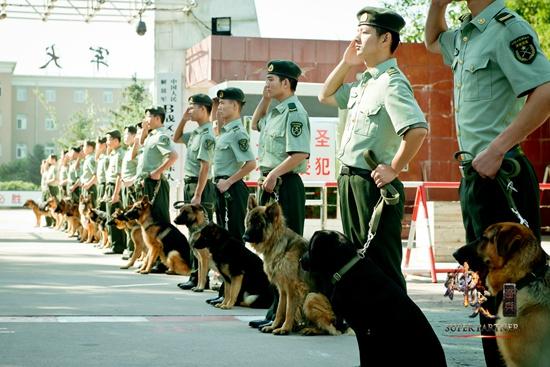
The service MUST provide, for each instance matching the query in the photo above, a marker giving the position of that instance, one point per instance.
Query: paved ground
(63, 303)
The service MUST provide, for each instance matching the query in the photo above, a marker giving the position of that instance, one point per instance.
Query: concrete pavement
(63, 303)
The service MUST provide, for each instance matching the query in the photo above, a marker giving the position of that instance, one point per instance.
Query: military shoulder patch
(292, 107)
(243, 145)
(296, 128)
(209, 144)
(164, 139)
(504, 17)
(524, 49)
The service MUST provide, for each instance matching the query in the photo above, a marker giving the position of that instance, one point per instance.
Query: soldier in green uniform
(52, 177)
(88, 178)
(383, 117)
(284, 147)
(102, 161)
(198, 188)
(284, 142)
(233, 160)
(63, 174)
(497, 63)
(112, 175)
(73, 182)
(44, 166)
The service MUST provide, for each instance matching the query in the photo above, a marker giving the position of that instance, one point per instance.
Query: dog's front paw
(281, 331)
(197, 289)
(225, 307)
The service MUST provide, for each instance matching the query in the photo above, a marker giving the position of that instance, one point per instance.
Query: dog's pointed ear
(145, 199)
(273, 211)
(510, 237)
(252, 203)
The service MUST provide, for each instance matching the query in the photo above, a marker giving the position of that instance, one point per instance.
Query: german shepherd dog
(282, 249)
(100, 218)
(509, 253)
(244, 279)
(89, 232)
(70, 211)
(163, 240)
(359, 296)
(194, 217)
(119, 220)
(38, 210)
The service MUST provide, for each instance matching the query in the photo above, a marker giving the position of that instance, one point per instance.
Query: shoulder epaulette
(504, 17)
(236, 128)
(463, 17)
(392, 71)
(292, 107)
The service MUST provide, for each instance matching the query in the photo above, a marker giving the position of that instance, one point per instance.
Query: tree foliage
(537, 13)
(135, 99)
(26, 169)
(82, 125)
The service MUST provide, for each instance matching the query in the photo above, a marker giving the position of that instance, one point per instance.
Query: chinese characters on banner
(321, 165)
(17, 198)
(169, 95)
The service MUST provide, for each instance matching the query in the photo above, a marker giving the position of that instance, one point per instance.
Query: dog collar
(536, 274)
(336, 277)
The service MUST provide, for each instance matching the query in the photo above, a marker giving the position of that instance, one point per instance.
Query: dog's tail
(177, 264)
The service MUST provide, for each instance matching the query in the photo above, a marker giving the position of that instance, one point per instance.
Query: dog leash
(157, 188)
(388, 196)
(510, 168)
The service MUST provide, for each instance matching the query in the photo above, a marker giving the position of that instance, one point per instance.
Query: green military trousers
(100, 203)
(117, 236)
(46, 194)
(128, 198)
(232, 204)
(160, 209)
(292, 199)
(208, 197)
(358, 197)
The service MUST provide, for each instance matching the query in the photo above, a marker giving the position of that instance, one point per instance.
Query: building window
(108, 96)
(21, 122)
(49, 123)
(79, 96)
(20, 151)
(21, 94)
(49, 149)
(50, 95)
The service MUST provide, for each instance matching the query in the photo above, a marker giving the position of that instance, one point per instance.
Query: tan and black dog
(509, 253)
(70, 212)
(100, 218)
(194, 217)
(245, 282)
(89, 232)
(163, 240)
(282, 249)
(38, 210)
(119, 220)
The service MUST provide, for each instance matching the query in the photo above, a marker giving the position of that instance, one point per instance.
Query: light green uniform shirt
(63, 173)
(156, 147)
(52, 173)
(284, 130)
(115, 165)
(88, 168)
(381, 108)
(232, 149)
(74, 172)
(101, 168)
(495, 63)
(129, 166)
(200, 147)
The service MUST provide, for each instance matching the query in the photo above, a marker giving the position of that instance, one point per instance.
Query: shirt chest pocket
(222, 149)
(276, 140)
(367, 120)
(477, 83)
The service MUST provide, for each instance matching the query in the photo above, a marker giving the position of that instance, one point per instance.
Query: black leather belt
(351, 171)
(217, 178)
(191, 179)
(265, 173)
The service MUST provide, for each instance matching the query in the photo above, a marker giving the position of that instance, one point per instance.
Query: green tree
(537, 13)
(82, 125)
(136, 99)
(26, 169)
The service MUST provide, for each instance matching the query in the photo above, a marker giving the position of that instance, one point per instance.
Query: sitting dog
(281, 249)
(360, 294)
(509, 253)
(163, 240)
(195, 218)
(70, 212)
(89, 232)
(100, 218)
(119, 220)
(242, 270)
(38, 210)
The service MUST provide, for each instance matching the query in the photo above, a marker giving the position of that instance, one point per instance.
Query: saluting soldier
(52, 177)
(102, 162)
(129, 167)
(88, 178)
(284, 148)
(384, 118)
(112, 175)
(63, 174)
(233, 160)
(497, 63)
(200, 143)
(73, 182)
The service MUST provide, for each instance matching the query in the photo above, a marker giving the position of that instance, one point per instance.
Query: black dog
(245, 280)
(401, 335)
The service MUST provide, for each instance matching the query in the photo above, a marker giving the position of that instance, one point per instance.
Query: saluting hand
(383, 175)
(350, 55)
(487, 163)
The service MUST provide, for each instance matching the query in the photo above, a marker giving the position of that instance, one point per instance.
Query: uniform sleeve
(261, 123)
(206, 148)
(297, 133)
(402, 107)
(342, 95)
(521, 59)
(240, 145)
(120, 157)
(93, 165)
(447, 45)
(164, 145)
(185, 138)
